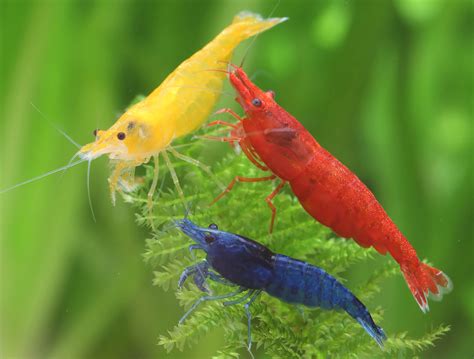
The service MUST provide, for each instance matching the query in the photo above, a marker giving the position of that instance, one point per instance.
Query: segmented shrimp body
(327, 190)
(177, 107)
(299, 282)
(236, 260)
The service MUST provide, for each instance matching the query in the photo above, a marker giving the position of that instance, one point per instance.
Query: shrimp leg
(249, 319)
(123, 174)
(253, 294)
(220, 139)
(114, 178)
(208, 298)
(174, 177)
(246, 147)
(197, 164)
(270, 203)
(201, 272)
(194, 247)
(201, 269)
(151, 192)
(241, 179)
(229, 111)
(239, 300)
(127, 179)
(250, 153)
(222, 123)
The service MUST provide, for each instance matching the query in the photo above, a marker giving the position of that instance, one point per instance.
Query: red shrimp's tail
(425, 281)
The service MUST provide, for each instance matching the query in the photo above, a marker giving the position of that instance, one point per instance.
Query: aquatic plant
(279, 329)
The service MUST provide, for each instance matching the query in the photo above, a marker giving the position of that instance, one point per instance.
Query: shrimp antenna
(188, 209)
(56, 127)
(256, 36)
(70, 161)
(34, 179)
(89, 190)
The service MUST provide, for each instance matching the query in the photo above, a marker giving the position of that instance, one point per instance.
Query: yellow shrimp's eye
(95, 132)
(257, 102)
(121, 136)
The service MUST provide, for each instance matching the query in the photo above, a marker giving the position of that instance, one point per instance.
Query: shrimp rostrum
(253, 268)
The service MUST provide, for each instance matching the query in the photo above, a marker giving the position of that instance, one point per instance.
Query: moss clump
(278, 329)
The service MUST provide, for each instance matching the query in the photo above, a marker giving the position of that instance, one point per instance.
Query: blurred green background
(386, 86)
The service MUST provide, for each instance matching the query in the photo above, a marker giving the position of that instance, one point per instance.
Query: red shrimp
(276, 142)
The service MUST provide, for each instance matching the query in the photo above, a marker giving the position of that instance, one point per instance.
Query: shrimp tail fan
(372, 329)
(249, 24)
(425, 281)
(359, 312)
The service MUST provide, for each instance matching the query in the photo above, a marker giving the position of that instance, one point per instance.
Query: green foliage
(278, 329)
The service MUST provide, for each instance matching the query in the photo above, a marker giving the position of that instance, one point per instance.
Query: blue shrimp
(239, 261)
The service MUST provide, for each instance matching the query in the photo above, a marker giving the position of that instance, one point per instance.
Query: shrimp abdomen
(337, 198)
(299, 282)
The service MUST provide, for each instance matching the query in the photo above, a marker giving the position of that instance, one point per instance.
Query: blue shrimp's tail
(360, 313)
(374, 331)
(298, 282)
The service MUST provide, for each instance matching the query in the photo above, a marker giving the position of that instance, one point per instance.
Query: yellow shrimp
(177, 107)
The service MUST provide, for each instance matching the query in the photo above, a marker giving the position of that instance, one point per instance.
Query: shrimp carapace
(177, 107)
(332, 194)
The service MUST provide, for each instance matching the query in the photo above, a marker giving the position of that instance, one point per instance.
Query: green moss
(278, 329)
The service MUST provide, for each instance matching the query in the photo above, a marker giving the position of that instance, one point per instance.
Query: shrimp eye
(209, 238)
(121, 136)
(95, 132)
(257, 102)
(213, 226)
